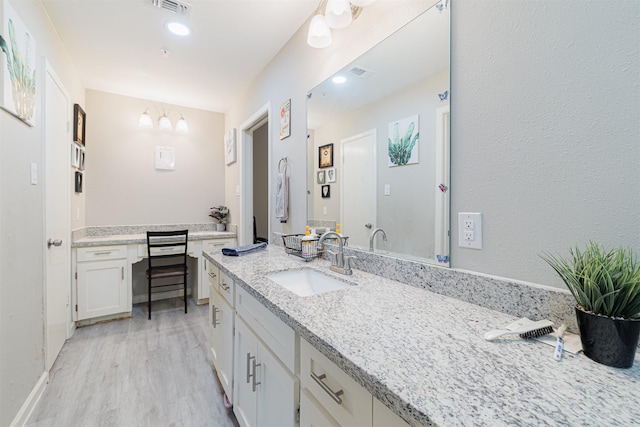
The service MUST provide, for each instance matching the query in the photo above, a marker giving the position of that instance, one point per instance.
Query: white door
(358, 185)
(58, 256)
(244, 397)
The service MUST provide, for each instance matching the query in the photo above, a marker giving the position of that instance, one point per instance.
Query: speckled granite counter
(123, 235)
(423, 355)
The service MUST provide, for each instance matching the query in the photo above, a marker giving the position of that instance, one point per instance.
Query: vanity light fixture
(338, 14)
(164, 122)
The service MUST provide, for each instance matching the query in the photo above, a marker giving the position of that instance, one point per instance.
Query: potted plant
(221, 215)
(606, 286)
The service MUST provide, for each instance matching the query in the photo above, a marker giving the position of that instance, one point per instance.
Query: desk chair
(167, 258)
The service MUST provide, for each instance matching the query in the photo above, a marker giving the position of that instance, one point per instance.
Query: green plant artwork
(403, 150)
(20, 86)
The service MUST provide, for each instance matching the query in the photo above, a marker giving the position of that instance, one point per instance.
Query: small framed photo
(78, 182)
(325, 156)
(79, 124)
(81, 165)
(326, 191)
(285, 119)
(320, 177)
(75, 156)
(230, 153)
(331, 175)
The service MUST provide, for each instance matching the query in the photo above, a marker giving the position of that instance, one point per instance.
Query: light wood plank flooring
(136, 372)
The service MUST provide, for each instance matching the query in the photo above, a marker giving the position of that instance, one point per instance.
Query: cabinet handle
(102, 253)
(335, 395)
(255, 365)
(249, 367)
(214, 317)
(212, 275)
(225, 286)
(122, 273)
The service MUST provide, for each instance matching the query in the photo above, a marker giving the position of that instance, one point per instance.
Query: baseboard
(29, 405)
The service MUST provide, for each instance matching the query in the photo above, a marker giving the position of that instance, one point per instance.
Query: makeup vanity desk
(102, 260)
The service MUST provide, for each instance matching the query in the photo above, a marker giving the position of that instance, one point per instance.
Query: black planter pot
(608, 340)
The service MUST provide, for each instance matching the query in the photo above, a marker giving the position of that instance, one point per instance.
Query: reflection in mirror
(387, 124)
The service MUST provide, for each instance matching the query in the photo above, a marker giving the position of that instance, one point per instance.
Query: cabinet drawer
(277, 335)
(102, 252)
(347, 401)
(142, 250)
(227, 288)
(216, 245)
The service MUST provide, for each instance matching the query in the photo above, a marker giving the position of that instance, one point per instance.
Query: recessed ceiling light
(178, 28)
(339, 79)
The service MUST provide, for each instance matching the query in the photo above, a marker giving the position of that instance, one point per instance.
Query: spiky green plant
(23, 80)
(400, 148)
(603, 282)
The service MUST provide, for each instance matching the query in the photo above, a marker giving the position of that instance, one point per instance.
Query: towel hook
(286, 165)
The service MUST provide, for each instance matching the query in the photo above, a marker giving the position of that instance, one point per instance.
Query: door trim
(257, 119)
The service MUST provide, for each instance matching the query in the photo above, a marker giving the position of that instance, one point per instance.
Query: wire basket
(307, 249)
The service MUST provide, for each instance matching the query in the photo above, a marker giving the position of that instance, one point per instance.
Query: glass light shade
(319, 33)
(164, 123)
(182, 125)
(178, 29)
(362, 3)
(145, 121)
(338, 14)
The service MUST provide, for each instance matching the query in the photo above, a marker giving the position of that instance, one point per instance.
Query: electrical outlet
(470, 230)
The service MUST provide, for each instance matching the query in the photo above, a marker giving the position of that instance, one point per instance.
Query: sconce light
(338, 14)
(164, 123)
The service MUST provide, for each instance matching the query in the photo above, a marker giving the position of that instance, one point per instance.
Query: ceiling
(117, 46)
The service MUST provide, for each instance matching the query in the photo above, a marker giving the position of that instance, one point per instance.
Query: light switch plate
(470, 230)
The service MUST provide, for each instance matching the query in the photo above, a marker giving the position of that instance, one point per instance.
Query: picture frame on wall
(331, 175)
(230, 152)
(78, 182)
(81, 165)
(75, 156)
(285, 119)
(320, 177)
(326, 191)
(325, 156)
(79, 124)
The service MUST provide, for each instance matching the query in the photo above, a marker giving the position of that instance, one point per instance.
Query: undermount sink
(306, 282)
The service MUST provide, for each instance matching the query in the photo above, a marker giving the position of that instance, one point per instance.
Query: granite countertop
(424, 356)
(124, 239)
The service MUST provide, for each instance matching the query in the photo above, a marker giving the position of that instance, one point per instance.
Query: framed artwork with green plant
(404, 141)
(17, 67)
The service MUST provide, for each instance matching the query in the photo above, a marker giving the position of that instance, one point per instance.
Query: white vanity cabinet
(102, 285)
(211, 246)
(222, 319)
(266, 391)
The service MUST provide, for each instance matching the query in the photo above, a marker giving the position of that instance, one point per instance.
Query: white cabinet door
(226, 319)
(384, 417)
(215, 329)
(102, 288)
(265, 392)
(245, 399)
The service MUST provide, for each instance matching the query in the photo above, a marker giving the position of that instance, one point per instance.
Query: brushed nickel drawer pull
(102, 253)
(225, 286)
(215, 322)
(254, 383)
(335, 395)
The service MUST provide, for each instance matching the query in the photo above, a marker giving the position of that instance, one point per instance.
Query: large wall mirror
(378, 144)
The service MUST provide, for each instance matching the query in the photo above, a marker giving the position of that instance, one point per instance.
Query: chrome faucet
(339, 263)
(373, 235)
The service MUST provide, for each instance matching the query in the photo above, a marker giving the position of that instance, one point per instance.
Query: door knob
(368, 225)
(56, 242)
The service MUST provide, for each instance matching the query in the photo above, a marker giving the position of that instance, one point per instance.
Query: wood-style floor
(136, 372)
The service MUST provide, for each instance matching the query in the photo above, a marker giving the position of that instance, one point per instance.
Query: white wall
(544, 112)
(121, 183)
(21, 225)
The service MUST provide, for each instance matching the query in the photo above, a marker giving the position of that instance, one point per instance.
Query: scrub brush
(524, 327)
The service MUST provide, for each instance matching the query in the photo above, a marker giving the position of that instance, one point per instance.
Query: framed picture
(78, 180)
(81, 165)
(75, 156)
(230, 153)
(320, 177)
(285, 119)
(79, 124)
(18, 64)
(331, 175)
(326, 191)
(325, 156)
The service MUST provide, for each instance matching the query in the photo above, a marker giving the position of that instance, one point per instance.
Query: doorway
(358, 214)
(57, 246)
(255, 159)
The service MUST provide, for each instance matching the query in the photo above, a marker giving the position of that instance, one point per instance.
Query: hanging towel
(243, 250)
(282, 197)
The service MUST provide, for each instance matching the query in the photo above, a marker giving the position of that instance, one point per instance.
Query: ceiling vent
(361, 72)
(174, 6)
